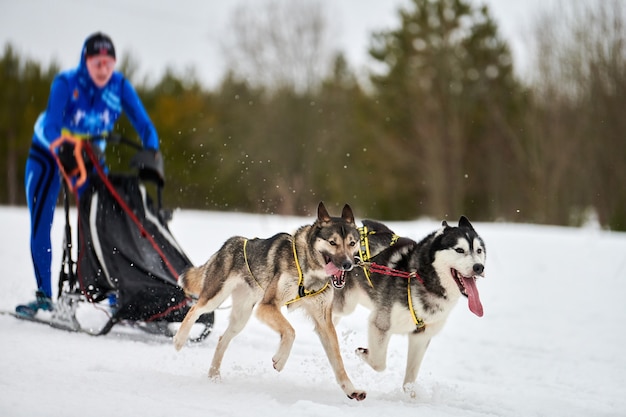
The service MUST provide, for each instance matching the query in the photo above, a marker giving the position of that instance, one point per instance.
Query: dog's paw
(279, 362)
(179, 342)
(409, 389)
(414, 391)
(358, 395)
(371, 358)
(214, 375)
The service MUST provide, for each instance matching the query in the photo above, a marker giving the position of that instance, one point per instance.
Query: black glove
(66, 157)
(149, 162)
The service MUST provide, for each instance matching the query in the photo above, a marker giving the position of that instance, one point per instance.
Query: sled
(128, 261)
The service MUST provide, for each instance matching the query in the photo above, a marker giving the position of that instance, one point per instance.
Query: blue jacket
(77, 105)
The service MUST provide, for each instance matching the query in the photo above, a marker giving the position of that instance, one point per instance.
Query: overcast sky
(188, 33)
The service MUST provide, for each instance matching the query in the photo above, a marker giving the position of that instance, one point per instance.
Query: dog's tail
(191, 281)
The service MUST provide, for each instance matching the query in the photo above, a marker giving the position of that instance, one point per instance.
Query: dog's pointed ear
(444, 226)
(347, 214)
(322, 213)
(464, 222)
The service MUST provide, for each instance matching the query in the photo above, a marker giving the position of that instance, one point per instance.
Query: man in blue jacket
(85, 101)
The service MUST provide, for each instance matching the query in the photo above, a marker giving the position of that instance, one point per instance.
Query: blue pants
(43, 183)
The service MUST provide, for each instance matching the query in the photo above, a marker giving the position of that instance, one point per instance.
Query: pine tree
(444, 78)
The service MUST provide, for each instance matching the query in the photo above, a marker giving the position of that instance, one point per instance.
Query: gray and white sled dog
(299, 271)
(411, 288)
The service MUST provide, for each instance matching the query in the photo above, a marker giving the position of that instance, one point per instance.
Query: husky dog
(411, 288)
(299, 271)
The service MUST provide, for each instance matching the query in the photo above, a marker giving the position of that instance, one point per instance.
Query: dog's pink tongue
(331, 269)
(473, 297)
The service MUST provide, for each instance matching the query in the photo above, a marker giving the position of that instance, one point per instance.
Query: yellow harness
(365, 256)
(364, 249)
(420, 326)
(245, 257)
(302, 292)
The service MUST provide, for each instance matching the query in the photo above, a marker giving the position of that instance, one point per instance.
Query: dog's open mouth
(337, 276)
(467, 286)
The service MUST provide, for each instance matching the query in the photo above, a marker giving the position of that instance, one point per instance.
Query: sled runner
(127, 261)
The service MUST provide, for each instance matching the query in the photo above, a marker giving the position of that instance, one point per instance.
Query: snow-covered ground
(550, 343)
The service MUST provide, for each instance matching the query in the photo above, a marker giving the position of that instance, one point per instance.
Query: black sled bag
(127, 250)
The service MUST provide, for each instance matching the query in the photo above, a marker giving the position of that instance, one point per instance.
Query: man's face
(100, 68)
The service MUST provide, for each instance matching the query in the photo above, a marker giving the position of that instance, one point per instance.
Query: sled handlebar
(148, 162)
(117, 138)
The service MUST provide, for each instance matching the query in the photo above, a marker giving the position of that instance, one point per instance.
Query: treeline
(441, 127)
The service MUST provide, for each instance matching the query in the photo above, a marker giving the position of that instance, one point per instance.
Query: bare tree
(280, 44)
(578, 144)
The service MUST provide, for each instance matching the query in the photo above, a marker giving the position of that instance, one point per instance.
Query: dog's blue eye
(352, 243)
(459, 250)
(332, 243)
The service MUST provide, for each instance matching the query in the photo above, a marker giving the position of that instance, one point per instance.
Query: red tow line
(385, 270)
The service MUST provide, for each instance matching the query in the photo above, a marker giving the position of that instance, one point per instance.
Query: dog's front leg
(378, 336)
(328, 336)
(270, 314)
(418, 343)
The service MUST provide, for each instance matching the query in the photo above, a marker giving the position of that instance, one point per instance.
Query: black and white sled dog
(299, 271)
(411, 288)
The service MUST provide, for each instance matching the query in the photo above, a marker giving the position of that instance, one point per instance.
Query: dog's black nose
(479, 268)
(346, 265)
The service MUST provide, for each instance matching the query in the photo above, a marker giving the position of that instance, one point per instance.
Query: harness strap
(419, 322)
(245, 257)
(385, 270)
(364, 248)
(369, 267)
(302, 292)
